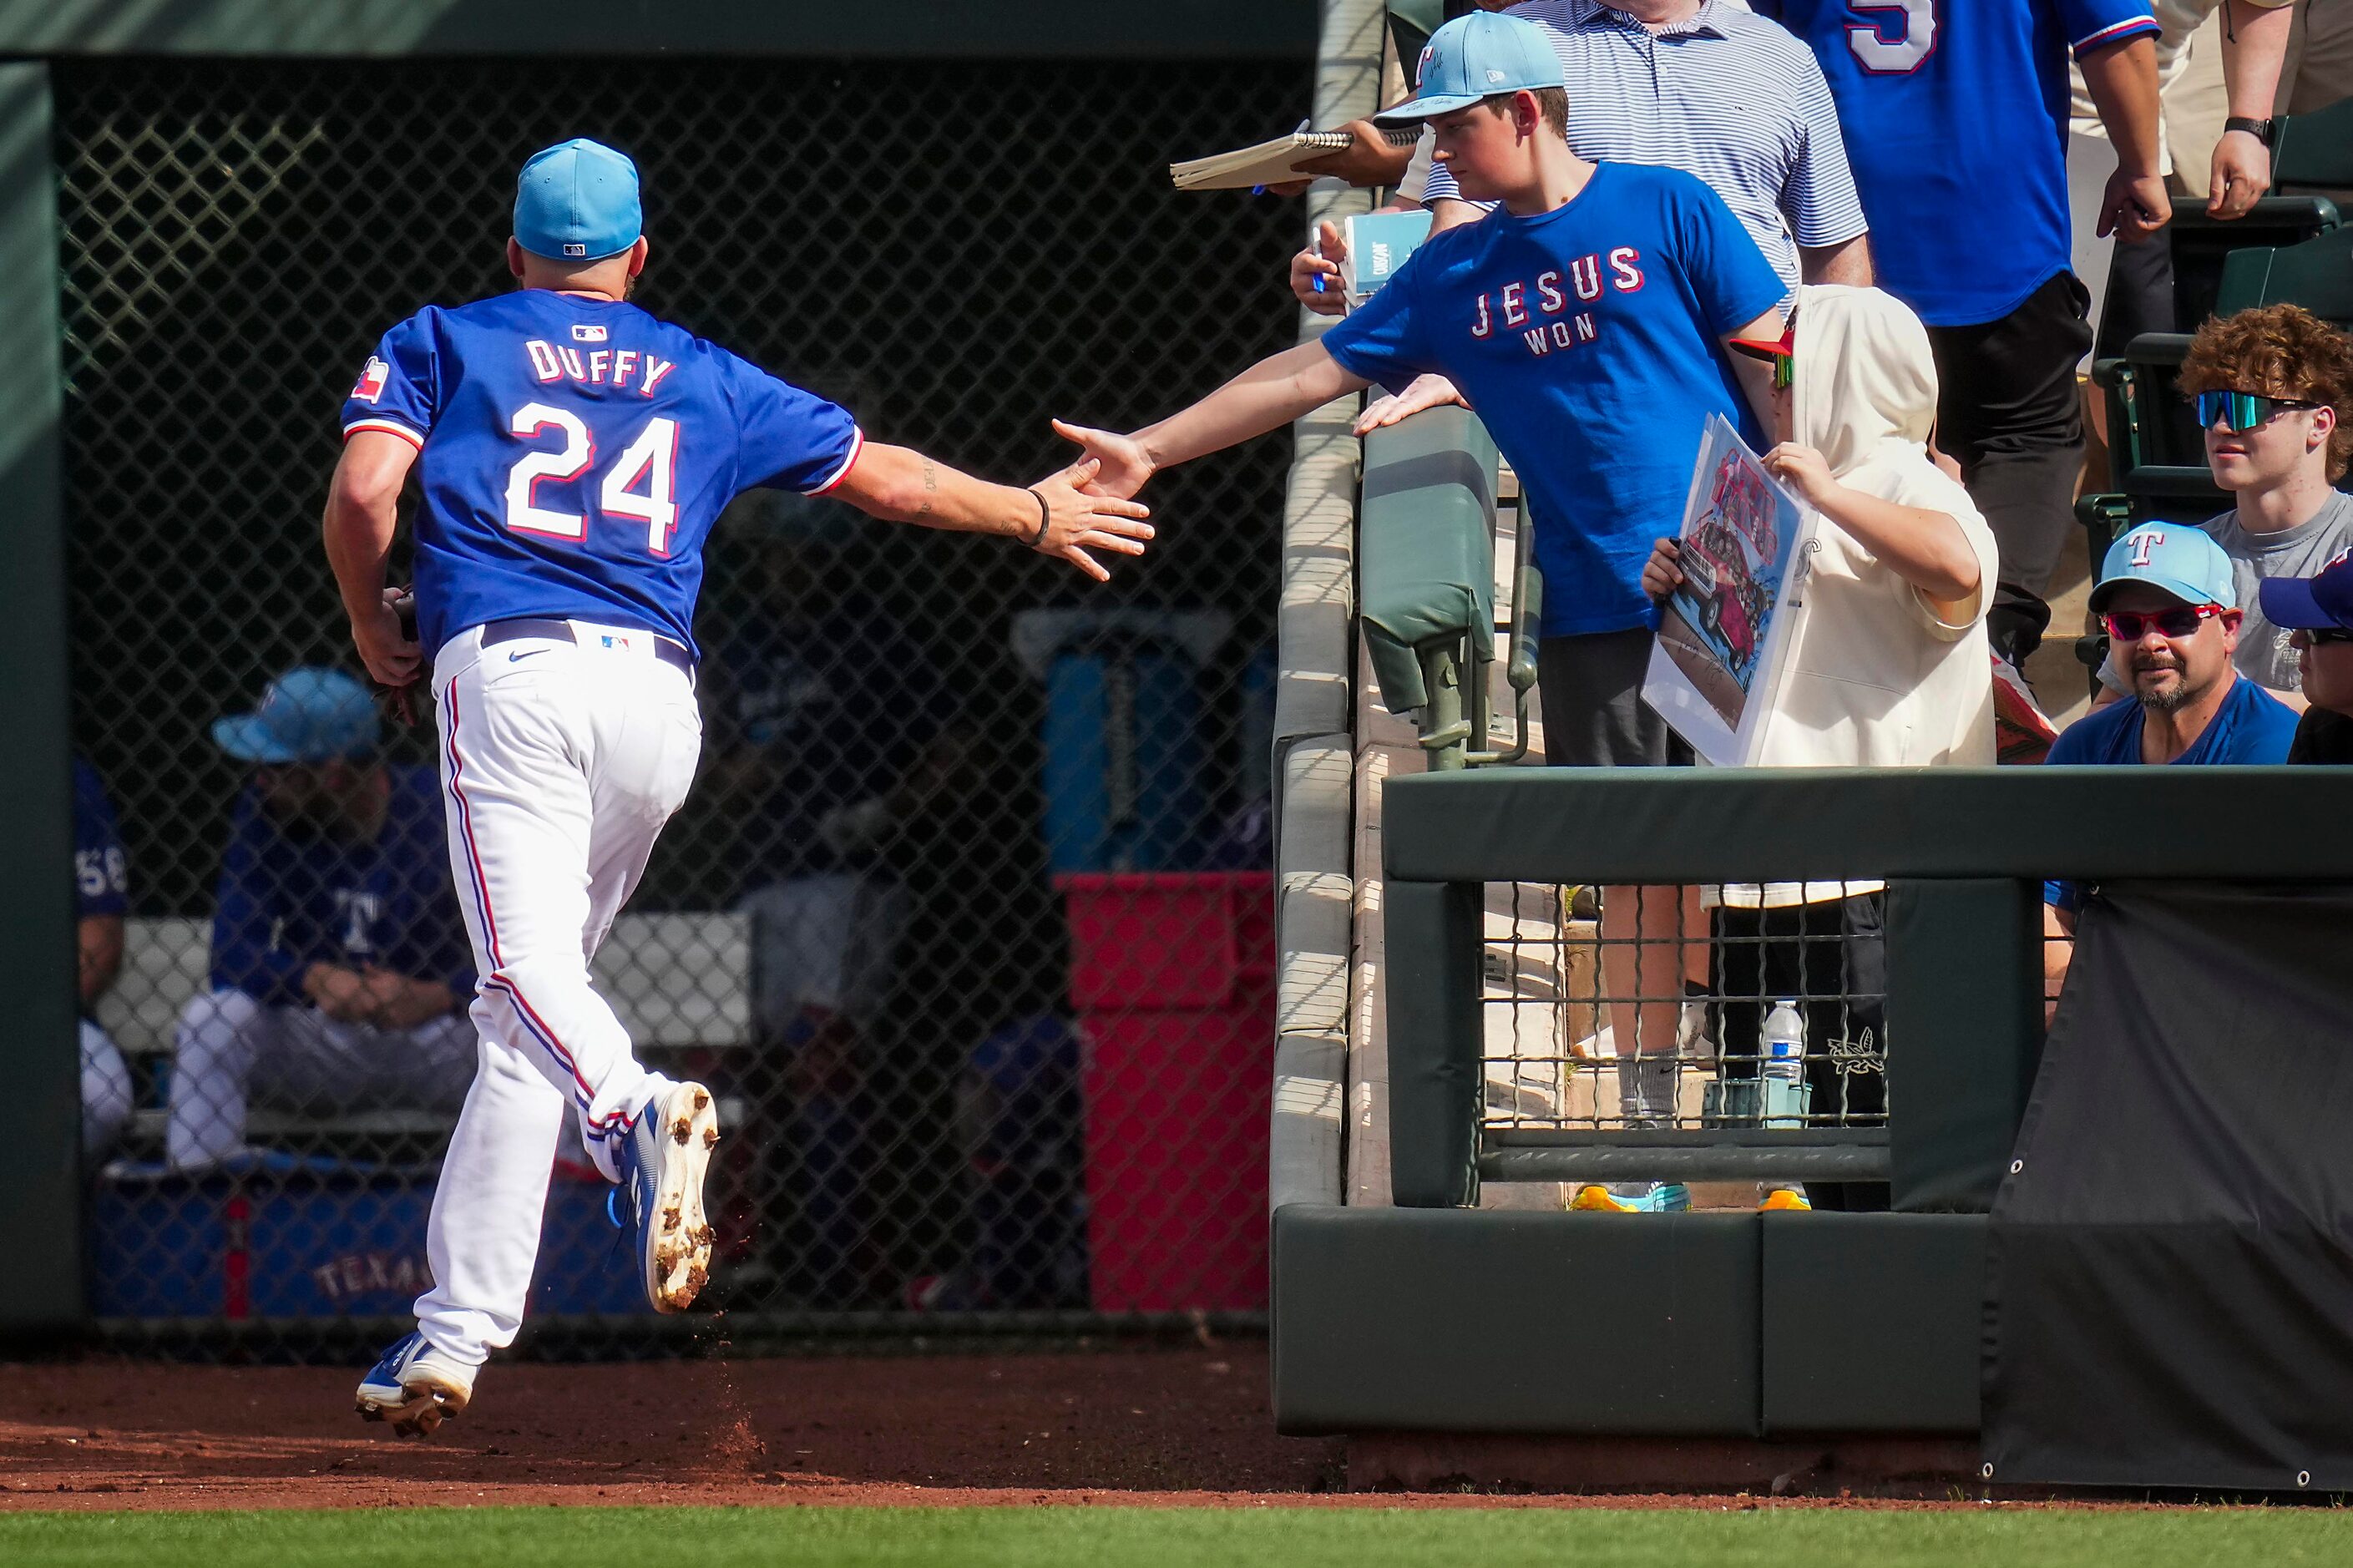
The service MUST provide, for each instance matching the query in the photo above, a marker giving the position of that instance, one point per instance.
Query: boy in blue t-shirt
(1585, 321)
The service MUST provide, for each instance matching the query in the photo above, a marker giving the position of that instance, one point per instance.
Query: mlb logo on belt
(587, 334)
(371, 385)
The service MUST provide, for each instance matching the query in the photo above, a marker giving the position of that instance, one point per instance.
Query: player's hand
(1662, 574)
(1080, 520)
(393, 1000)
(1368, 159)
(1307, 267)
(1804, 470)
(343, 995)
(1425, 392)
(392, 657)
(2241, 172)
(2134, 207)
(1121, 466)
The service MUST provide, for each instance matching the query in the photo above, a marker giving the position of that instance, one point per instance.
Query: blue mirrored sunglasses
(2245, 410)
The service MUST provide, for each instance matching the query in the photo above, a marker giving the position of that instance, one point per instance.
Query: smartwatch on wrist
(2262, 130)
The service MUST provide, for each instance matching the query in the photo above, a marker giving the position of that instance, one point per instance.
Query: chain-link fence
(965, 919)
(1715, 1011)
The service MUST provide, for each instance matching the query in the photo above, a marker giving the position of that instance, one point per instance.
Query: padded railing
(1964, 850)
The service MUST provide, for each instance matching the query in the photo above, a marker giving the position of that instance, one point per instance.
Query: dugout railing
(1422, 1317)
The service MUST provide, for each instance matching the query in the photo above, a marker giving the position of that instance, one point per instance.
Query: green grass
(1145, 1537)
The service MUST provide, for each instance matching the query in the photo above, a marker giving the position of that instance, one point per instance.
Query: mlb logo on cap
(578, 201)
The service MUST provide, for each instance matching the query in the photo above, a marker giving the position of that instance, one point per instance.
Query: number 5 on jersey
(650, 460)
(1901, 54)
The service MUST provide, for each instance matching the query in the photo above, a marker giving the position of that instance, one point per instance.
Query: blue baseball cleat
(414, 1386)
(663, 1161)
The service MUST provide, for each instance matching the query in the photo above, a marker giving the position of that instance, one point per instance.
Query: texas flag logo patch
(587, 334)
(371, 383)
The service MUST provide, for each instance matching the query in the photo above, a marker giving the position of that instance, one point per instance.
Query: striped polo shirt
(1724, 95)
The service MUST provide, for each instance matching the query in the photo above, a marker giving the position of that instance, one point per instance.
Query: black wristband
(2262, 130)
(1045, 516)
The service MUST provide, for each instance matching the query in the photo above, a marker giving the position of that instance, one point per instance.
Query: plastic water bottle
(1785, 1043)
(1783, 1070)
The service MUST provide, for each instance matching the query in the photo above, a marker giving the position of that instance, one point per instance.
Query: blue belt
(496, 632)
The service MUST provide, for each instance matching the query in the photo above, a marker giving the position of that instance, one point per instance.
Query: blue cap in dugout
(578, 201)
(308, 715)
(1475, 57)
(2176, 558)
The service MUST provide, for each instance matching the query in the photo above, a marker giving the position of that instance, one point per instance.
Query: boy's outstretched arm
(1267, 396)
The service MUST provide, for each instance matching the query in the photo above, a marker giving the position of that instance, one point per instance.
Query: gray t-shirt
(2263, 655)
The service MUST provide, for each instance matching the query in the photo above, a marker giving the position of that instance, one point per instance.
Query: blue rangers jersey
(1955, 113)
(574, 453)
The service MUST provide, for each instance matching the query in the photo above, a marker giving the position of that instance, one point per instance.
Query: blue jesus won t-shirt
(1586, 338)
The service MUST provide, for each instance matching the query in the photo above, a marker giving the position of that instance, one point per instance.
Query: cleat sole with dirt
(682, 1261)
(421, 1413)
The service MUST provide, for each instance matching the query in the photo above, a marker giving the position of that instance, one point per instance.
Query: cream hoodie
(1876, 677)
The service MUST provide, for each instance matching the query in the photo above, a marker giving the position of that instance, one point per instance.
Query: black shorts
(1594, 715)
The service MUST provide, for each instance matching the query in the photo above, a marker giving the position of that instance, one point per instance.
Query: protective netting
(965, 919)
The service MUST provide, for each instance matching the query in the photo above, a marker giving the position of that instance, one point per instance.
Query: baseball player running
(574, 451)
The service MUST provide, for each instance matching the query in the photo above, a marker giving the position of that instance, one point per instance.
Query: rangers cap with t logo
(578, 201)
(1475, 57)
(2176, 558)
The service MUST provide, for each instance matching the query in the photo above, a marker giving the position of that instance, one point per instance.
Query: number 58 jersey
(574, 453)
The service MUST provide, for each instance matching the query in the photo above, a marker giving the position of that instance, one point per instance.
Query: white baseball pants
(232, 1047)
(560, 763)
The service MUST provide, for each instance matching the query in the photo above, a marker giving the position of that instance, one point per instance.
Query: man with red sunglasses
(2168, 597)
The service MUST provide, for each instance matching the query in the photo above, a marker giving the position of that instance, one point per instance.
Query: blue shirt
(575, 453)
(1956, 118)
(1725, 95)
(1587, 339)
(102, 870)
(288, 899)
(2252, 726)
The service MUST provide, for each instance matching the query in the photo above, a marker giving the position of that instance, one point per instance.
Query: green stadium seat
(2200, 247)
(2315, 148)
(1424, 544)
(2317, 275)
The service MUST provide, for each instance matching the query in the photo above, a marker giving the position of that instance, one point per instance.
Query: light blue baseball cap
(578, 201)
(309, 714)
(1475, 57)
(2176, 558)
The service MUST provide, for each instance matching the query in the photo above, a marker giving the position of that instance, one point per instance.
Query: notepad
(1270, 162)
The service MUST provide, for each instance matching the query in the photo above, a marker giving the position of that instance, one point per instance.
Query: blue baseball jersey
(2250, 727)
(1956, 120)
(102, 870)
(574, 453)
(1588, 339)
(290, 898)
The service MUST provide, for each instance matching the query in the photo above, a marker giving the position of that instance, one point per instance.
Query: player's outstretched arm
(1267, 396)
(362, 514)
(1055, 516)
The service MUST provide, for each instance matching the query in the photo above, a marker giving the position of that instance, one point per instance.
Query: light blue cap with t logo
(578, 201)
(1475, 57)
(2176, 558)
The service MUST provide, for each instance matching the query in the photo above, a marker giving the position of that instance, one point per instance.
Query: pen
(1318, 249)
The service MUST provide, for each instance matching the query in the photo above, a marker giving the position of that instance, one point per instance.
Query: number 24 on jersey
(651, 462)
